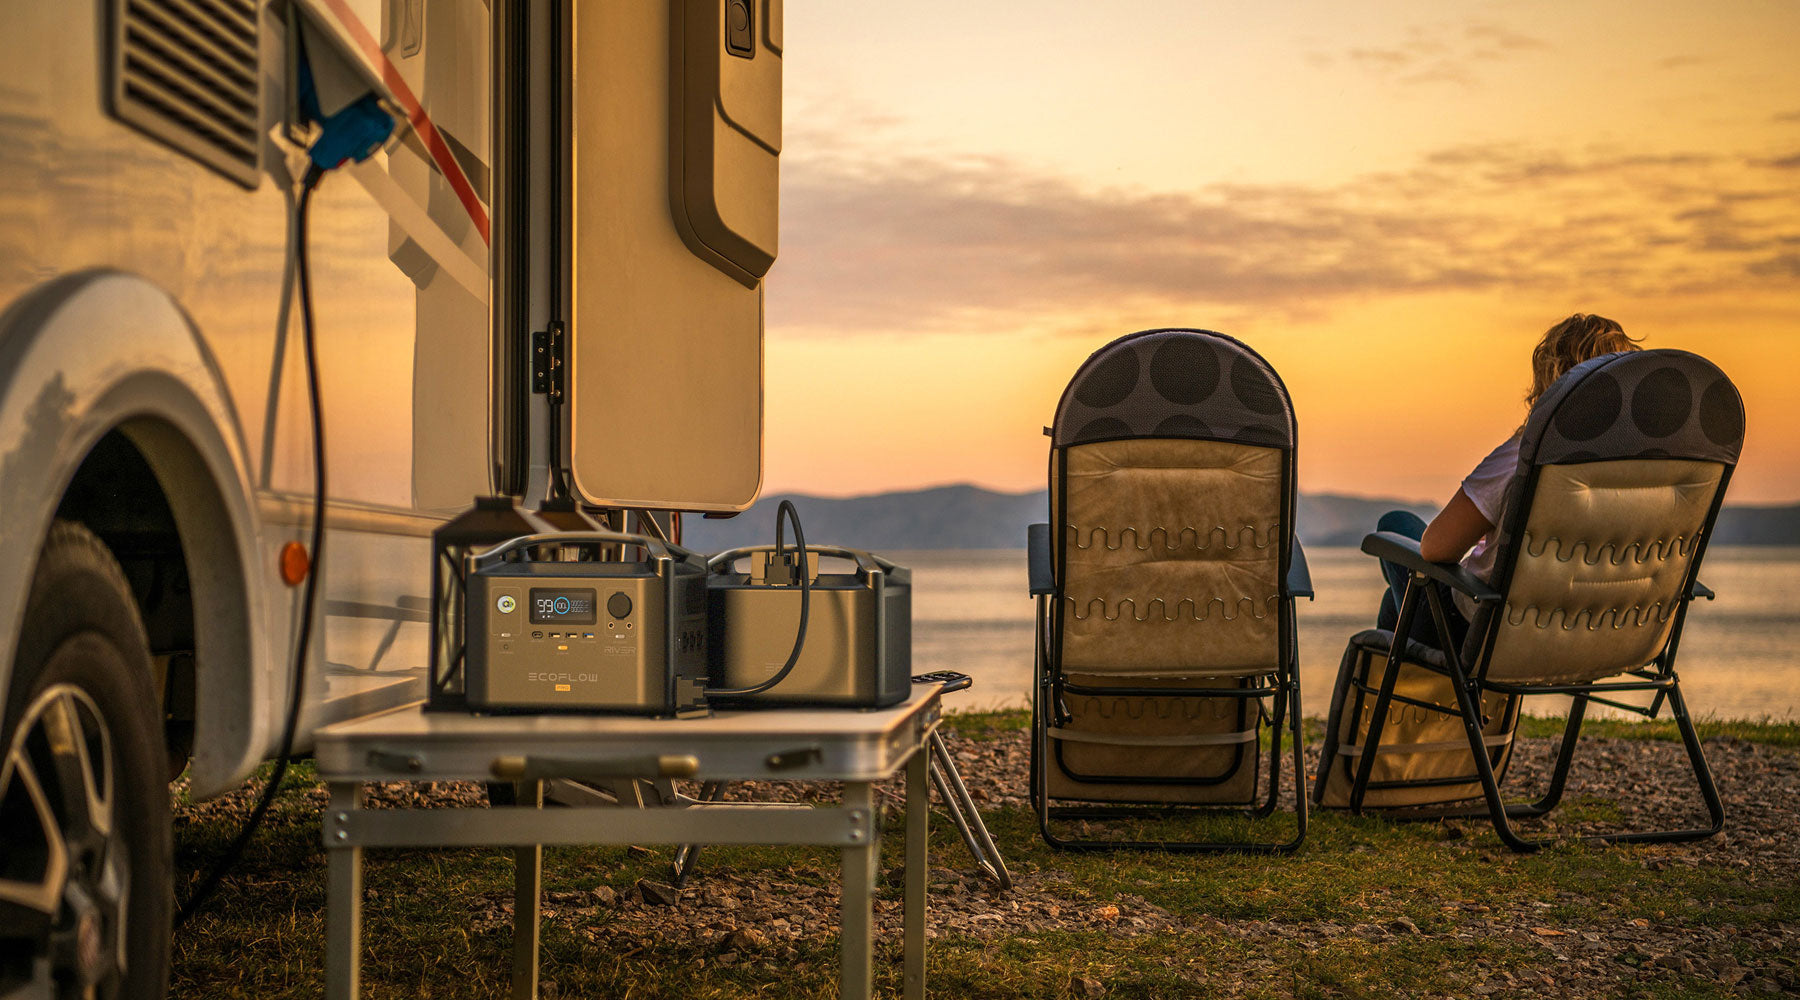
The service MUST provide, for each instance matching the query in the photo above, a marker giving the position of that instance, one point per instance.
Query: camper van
(519, 248)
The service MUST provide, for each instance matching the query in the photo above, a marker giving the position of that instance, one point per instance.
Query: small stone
(1090, 987)
(605, 895)
(658, 893)
(1108, 913)
(746, 939)
(1401, 925)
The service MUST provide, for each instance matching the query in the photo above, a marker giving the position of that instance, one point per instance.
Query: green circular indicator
(506, 604)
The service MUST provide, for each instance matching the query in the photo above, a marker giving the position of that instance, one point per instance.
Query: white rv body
(143, 294)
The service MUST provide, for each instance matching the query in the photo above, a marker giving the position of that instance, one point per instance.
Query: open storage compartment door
(673, 208)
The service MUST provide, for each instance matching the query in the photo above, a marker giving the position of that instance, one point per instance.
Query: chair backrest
(1172, 489)
(1622, 467)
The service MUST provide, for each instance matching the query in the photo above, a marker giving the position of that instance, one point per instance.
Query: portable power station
(552, 626)
(858, 648)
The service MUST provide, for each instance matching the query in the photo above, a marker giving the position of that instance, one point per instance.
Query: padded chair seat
(1380, 640)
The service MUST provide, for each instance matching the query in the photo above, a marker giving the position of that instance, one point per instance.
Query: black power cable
(786, 510)
(309, 596)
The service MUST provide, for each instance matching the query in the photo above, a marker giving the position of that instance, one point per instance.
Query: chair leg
(1294, 721)
(1365, 766)
(1276, 721)
(1469, 697)
(1040, 677)
(1560, 775)
(1690, 738)
(1351, 662)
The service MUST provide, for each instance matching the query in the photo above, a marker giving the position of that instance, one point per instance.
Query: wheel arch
(106, 356)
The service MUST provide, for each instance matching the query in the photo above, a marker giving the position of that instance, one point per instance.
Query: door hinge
(549, 360)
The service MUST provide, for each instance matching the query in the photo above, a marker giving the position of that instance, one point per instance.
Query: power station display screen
(562, 607)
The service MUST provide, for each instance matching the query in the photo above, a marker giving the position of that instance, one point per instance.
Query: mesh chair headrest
(1636, 404)
(1175, 383)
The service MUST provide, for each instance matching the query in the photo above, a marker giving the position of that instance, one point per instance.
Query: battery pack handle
(656, 547)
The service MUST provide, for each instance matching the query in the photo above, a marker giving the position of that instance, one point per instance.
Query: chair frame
(1049, 569)
(1470, 681)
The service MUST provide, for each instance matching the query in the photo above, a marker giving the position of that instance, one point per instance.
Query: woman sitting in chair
(1469, 518)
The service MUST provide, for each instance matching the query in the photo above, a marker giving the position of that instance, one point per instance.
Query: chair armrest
(1700, 590)
(1299, 578)
(1037, 550)
(1403, 551)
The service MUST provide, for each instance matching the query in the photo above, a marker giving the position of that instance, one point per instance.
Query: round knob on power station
(619, 604)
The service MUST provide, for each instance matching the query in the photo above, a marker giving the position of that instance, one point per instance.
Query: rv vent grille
(185, 71)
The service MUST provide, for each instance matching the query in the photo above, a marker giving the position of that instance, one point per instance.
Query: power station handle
(523, 768)
(657, 548)
(868, 562)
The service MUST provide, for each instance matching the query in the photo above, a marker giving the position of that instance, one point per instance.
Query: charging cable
(309, 596)
(354, 132)
(797, 567)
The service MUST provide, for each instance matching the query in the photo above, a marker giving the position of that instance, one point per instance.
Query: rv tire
(86, 887)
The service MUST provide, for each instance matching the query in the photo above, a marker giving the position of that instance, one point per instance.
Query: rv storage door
(675, 125)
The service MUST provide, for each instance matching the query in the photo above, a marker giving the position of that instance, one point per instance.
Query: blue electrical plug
(354, 132)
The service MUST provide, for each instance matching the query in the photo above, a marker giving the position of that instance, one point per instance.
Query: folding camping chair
(1623, 465)
(1165, 594)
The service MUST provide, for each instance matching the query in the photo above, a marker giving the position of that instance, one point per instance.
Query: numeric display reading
(562, 607)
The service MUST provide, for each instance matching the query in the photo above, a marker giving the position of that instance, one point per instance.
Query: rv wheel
(85, 880)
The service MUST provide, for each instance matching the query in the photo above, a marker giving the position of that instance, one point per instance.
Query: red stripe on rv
(415, 113)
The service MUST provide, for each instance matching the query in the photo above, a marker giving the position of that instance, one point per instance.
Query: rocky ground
(730, 916)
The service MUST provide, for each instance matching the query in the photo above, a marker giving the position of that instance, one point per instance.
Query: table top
(785, 744)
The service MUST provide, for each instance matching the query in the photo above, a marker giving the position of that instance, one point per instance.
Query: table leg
(528, 884)
(343, 901)
(918, 812)
(857, 943)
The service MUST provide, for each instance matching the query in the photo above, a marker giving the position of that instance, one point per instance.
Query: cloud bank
(915, 243)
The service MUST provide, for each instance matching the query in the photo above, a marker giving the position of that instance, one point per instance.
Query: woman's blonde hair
(1579, 338)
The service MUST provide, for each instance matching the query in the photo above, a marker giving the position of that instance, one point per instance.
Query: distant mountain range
(969, 517)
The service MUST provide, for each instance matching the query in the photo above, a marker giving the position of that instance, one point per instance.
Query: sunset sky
(1390, 201)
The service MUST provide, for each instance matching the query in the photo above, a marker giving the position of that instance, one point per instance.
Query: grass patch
(1767, 731)
(992, 725)
(989, 725)
(1316, 924)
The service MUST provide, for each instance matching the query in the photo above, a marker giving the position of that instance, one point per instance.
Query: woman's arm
(1458, 526)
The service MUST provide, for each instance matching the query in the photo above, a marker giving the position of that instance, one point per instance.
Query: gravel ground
(1760, 785)
(734, 917)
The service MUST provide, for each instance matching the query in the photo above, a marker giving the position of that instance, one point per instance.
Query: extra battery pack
(858, 649)
(553, 625)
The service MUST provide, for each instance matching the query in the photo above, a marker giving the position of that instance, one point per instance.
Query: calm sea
(1740, 654)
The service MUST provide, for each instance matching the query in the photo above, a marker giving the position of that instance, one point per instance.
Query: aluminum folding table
(859, 748)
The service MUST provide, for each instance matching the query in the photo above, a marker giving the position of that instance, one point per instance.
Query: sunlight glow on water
(971, 612)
